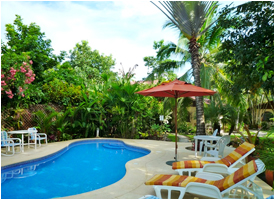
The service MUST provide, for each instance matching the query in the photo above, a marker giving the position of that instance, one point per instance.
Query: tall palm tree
(190, 18)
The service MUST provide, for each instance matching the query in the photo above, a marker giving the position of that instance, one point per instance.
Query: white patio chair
(217, 149)
(34, 136)
(222, 188)
(10, 143)
(201, 142)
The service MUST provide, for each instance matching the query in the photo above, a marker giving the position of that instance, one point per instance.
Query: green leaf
(264, 77)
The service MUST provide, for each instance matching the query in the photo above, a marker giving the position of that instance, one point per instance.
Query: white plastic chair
(201, 142)
(10, 143)
(34, 136)
(217, 149)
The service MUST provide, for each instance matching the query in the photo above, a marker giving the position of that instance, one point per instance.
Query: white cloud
(125, 29)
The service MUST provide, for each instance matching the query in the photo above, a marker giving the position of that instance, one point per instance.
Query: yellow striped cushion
(181, 181)
(228, 160)
(242, 173)
(238, 152)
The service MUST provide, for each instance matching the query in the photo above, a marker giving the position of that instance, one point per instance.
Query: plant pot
(269, 176)
(250, 157)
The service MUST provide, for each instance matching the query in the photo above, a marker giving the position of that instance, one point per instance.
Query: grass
(171, 137)
(270, 133)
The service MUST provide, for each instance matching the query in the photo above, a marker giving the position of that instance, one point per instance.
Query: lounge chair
(39, 136)
(10, 143)
(239, 180)
(228, 162)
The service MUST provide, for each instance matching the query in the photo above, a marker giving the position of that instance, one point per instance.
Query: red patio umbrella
(176, 89)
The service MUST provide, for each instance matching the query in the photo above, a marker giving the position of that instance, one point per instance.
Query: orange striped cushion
(238, 152)
(181, 181)
(228, 160)
(242, 173)
(173, 180)
(190, 164)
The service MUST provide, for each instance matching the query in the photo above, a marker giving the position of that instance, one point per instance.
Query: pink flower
(2, 89)
(9, 92)
(21, 89)
(10, 96)
(2, 75)
(24, 63)
(3, 83)
(29, 74)
(31, 62)
(22, 95)
(23, 70)
(28, 81)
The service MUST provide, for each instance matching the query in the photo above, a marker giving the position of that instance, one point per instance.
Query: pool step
(114, 146)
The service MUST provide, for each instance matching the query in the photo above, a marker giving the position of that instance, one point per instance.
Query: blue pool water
(81, 167)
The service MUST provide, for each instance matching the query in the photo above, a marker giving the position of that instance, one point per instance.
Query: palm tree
(190, 18)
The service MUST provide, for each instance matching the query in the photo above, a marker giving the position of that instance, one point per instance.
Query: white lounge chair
(34, 136)
(217, 149)
(239, 180)
(10, 143)
(227, 163)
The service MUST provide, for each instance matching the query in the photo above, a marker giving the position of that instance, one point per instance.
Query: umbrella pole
(176, 129)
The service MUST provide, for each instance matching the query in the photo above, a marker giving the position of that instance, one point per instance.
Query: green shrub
(61, 92)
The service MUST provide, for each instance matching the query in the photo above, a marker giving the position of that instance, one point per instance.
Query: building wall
(192, 111)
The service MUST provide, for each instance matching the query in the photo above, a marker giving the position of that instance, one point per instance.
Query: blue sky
(125, 29)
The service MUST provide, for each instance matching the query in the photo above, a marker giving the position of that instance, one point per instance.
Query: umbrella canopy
(176, 89)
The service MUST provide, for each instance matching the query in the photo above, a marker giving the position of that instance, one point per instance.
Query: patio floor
(131, 186)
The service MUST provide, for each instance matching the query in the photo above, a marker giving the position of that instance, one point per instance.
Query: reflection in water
(19, 173)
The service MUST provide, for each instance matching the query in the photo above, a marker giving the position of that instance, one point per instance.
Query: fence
(14, 119)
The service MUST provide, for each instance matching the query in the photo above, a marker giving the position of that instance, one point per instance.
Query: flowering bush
(14, 80)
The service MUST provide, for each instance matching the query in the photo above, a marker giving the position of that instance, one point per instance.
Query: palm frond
(188, 16)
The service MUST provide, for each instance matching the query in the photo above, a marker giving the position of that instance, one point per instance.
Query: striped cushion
(182, 181)
(238, 153)
(242, 173)
(228, 160)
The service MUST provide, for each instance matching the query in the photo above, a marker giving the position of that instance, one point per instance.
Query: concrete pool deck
(131, 186)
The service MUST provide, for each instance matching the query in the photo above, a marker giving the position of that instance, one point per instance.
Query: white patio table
(23, 132)
(204, 138)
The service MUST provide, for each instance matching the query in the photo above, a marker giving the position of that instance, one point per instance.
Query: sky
(124, 29)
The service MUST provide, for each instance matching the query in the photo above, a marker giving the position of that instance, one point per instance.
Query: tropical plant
(61, 126)
(60, 92)
(45, 120)
(190, 17)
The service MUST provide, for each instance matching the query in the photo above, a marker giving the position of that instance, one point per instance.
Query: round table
(22, 132)
(204, 138)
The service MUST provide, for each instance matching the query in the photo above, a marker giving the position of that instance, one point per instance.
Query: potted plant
(268, 158)
(265, 151)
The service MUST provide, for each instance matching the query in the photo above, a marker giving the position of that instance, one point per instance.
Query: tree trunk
(194, 50)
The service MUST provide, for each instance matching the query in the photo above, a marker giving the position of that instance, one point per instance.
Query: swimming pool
(81, 167)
